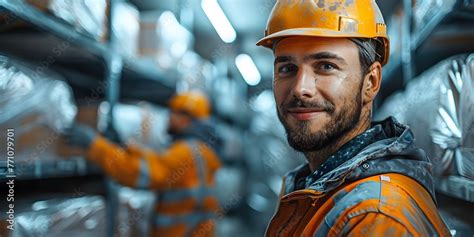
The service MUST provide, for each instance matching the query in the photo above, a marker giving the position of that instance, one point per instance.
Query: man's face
(317, 87)
(177, 121)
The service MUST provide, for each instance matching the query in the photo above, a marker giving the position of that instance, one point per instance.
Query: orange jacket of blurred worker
(362, 178)
(183, 174)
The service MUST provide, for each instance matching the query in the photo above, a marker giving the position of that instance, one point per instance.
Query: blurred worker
(183, 174)
(362, 178)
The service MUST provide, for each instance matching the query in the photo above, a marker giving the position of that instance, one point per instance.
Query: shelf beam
(50, 24)
(456, 186)
(133, 69)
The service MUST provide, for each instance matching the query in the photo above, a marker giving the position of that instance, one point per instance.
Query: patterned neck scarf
(345, 153)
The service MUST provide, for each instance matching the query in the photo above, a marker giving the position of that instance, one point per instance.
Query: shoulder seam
(378, 212)
(402, 191)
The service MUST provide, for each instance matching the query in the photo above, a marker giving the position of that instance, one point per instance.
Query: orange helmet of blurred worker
(193, 103)
(329, 18)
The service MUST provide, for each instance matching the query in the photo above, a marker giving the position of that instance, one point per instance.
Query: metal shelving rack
(125, 78)
(402, 64)
(412, 42)
(73, 166)
(456, 186)
(135, 73)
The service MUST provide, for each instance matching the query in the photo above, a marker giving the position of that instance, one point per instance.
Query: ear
(372, 81)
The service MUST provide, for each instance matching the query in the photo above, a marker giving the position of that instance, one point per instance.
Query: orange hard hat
(193, 103)
(326, 18)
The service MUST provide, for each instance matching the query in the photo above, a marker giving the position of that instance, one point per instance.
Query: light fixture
(218, 20)
(248, 69)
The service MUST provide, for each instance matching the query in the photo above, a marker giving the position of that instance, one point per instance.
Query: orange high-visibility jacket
(183, 176)
(383, 188)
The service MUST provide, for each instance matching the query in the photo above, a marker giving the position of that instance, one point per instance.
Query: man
(183, 174)
(362, 178)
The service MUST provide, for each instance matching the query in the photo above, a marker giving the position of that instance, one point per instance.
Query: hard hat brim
(317, 32)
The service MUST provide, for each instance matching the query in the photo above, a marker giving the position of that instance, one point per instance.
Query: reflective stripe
(362, 192)
(144, 176)
(179, 195)
(199, 159)
(199, 193)
(190, 220)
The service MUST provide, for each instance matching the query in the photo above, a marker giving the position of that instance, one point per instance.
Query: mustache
(319, 105)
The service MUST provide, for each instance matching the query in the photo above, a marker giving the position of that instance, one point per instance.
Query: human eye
(326, 67)
(286, 70)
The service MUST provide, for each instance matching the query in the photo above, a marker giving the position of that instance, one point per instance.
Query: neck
(317, 157)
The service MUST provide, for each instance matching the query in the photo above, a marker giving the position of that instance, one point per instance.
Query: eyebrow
(316, 56)
(325, 55)
(283, 59)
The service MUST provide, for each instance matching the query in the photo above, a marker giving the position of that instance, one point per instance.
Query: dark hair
(370, 51)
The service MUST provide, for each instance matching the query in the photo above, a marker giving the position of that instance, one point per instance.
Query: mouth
(304, 114)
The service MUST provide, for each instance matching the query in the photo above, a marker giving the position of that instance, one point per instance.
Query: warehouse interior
(114, 65)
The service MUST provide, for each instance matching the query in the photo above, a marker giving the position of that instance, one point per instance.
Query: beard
(300, 136)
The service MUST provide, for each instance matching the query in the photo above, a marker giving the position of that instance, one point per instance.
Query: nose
(305, 83)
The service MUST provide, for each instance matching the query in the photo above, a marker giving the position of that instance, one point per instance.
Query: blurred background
(113, 64)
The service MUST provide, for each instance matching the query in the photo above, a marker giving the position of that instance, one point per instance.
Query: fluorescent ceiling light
(248, 69)
(218, 20)
(264, 102)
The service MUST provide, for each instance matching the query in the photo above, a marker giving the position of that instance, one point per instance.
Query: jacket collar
(394, 152)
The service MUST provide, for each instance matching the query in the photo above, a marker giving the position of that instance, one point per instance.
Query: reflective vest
(183, 176)
(187, 211)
